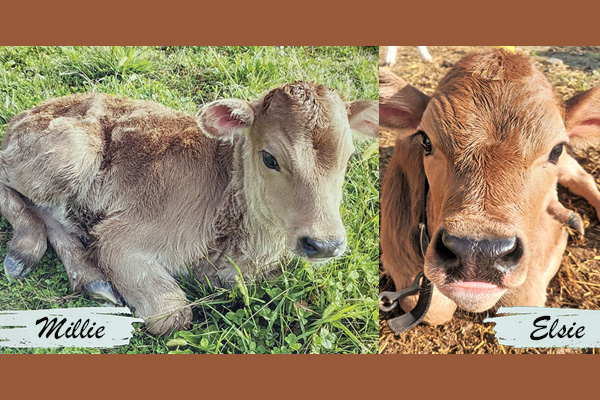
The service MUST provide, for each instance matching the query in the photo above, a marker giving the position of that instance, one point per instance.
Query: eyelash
(426, 143)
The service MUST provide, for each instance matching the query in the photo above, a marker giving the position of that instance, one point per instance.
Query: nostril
(308, 245)
(502, 247)
(510, 250)
(447, 247)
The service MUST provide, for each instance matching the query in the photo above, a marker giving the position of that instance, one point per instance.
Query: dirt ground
(577, 284)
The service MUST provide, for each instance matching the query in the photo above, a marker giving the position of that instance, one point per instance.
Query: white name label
(100, 327)
(546, 327)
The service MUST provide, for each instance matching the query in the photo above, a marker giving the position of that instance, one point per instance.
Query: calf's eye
(426, 142)
(269, 160)
(555, 153)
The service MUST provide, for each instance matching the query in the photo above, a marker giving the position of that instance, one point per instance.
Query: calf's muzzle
(321, 249)
(470, 259)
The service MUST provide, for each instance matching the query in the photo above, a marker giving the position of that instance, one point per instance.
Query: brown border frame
(311, 22)
(314, 22)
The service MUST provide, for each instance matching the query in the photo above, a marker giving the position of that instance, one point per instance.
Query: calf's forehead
(495, 99)
(305, 117)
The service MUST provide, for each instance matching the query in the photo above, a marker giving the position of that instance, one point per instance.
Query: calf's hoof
(574, 221)
(102, 291)
(166, 323)
(15, 267)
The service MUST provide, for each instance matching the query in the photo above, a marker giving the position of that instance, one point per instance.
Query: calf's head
(491, 136)
(296, 145)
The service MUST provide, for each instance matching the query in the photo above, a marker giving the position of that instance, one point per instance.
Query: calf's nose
(502, 254)
(314, 248)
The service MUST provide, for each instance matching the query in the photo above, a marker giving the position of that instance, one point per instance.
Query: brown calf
(490, 144)
(131, 194)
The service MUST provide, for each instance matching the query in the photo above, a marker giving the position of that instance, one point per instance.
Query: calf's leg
(145, 285)
(28, 244)
(562, 214)
(572, 176)
(83, 274)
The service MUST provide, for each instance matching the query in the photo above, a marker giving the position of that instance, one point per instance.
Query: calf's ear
(363, 116)
(401, 106)
(582, 118)
(223, 119)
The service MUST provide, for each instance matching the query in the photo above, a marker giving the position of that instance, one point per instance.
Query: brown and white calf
(133, 194)
(490, 142)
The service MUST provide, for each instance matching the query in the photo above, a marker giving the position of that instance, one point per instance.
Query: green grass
(309, 309)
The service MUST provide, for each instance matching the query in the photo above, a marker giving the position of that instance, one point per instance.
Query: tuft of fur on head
(306, 99)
